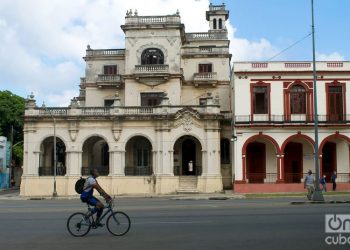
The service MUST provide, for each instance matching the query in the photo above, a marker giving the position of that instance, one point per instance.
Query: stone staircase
(187, 185)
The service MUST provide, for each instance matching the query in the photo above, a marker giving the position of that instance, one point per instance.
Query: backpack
(79, 185)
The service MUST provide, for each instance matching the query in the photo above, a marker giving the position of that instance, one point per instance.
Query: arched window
(298, 100)
(225, 151)
(152, 56)
(214, 24)
(220, 24)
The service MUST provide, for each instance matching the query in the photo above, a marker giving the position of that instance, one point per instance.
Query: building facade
(150, 117)
(274, 124)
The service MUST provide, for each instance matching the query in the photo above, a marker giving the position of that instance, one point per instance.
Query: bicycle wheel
(118, 223)
(77, 225)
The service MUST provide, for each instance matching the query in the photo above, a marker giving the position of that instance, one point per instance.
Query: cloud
(43, 42)
(335, 56)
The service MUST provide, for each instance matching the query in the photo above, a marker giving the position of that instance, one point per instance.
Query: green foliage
(11, 114)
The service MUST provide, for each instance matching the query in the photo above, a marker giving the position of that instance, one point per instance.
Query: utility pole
(11, 157)
(317, 196)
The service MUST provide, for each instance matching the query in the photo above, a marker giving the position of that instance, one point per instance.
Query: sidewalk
(330, 197)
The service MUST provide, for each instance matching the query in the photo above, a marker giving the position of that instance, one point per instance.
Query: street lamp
(317, 196)
(54, 194)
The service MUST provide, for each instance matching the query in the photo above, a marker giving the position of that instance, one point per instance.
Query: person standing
(323, 183)
(309, 184)
(334, 180)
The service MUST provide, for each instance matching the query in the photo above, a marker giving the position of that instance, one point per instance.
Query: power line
(290, 46)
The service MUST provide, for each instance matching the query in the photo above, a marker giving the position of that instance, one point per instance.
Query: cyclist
(87, 195)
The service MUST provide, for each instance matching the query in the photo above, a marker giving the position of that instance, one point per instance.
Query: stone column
(73, 164)
(117, 163)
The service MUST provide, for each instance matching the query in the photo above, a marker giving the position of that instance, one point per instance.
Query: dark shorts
(92, 201)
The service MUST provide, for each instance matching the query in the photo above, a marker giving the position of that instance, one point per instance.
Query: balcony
(151, 74)
(206, 36)
(104, 52)
(140, 20)
(208, 78)
(107, 81)
(125, 111)
(302, 119)
(204, 51)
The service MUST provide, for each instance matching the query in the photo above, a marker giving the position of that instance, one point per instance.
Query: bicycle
(118, 223)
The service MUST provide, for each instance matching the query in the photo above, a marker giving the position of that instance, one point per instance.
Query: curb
(318, 202)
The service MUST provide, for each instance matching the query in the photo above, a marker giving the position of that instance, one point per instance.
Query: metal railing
(291, 119)
(49, 171)
(262, 177)
(138, 171)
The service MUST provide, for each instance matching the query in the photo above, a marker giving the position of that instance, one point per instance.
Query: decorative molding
(116, 130)
(73, 130)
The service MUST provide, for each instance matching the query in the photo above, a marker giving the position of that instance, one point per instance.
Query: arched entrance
(46, 167)
(95, 155)
(298, 157)
(187, 156)
(138, 156)
(260, 163)
(256, 162)
(293, 162)
(329, 159)
(335, 157)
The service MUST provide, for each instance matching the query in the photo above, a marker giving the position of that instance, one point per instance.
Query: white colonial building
(274, 124)
(152, 117)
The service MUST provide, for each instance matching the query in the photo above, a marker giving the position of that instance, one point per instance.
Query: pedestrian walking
(334, 180)
(309, 184)
(323, 183)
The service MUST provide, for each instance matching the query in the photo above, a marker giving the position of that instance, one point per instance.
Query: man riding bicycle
(87, 195)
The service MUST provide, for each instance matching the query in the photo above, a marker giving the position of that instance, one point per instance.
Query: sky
(42, 42)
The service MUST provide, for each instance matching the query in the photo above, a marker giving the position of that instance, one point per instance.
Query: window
(220, 23)
(298, 100)
(202, 101)
(335, 103)
(205, 68)
(225, 151)
(152, 56)
(110, 69)
(214, 24)
(151, 99)
(109, 103)
(260, 100)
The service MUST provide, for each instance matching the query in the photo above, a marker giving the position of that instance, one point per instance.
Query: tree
(11, 114)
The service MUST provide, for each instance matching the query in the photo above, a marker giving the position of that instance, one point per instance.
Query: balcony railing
(171, 19)
(152, 69)
(121, 110)
(208, 76)
(216, 7)
(53, 111)
(95, 110)
(205, 51)
(138, 171)
(105, 52)
(292, 119)
(207, 36)
(108, 78)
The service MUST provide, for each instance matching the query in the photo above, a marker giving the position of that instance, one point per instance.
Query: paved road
(162, 223)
